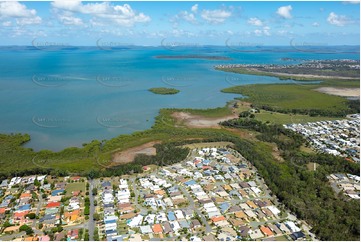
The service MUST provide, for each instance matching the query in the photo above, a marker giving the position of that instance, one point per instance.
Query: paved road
(12, 236)
(142, 210)
(91, 222)
(40, 204)
(76, 226)
(194, 208)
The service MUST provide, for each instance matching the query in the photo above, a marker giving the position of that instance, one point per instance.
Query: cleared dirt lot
(343, 92)
(196, 121)
(128, 155)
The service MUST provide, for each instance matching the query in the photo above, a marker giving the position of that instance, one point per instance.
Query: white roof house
(179, 214)
(274, 210)
(292, 226)
(135, 221)
(175, 225)
(146, 229)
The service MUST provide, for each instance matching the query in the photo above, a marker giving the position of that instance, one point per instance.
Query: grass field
(76, 186)
(281, 118)
(281, 238)
(289, 96)
(307, 150)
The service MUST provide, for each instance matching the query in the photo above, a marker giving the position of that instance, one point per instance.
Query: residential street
(91, 222)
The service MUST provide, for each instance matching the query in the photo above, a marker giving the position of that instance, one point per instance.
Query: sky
(74, 23)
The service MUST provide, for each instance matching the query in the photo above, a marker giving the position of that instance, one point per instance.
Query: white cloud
(28, 21)
(185, 15)
(338, 20)
(255, 21)
(122, 15)
(6, 23)
(15, 10)
(315, 24)
(215, 16)
(69, 19)
(285, 11)
(265, 31)
(20, 12)
(194, 8)
(67, 5)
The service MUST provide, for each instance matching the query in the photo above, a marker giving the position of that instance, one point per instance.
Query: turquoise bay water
(65, 98)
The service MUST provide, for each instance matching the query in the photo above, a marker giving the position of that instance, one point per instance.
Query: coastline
(164, 129)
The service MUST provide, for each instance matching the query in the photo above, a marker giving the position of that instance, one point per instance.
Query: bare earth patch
(197, 121)
(128, 155)
(343, 92)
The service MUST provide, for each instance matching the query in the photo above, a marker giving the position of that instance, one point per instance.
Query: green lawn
(76, 186)
(281, 238)
(281, 118)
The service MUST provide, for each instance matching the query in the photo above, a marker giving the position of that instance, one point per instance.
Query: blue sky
(187, 23)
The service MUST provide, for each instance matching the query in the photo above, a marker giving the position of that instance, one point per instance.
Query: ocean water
(67, 97)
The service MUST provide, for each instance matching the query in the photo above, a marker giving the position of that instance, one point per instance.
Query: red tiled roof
(20, 214)
(266, 230)
(23, 195)
(2, 210)
(218, 218)
(157, 228)
(53, 204)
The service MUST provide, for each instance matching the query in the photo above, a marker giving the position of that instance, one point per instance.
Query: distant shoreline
(193, 57)
(310, 70)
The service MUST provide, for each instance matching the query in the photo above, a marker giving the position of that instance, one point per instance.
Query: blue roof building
(224, 206)
(24, 207)
(190, 182)
(171, 216)
(57, 192)
(184, 224)
(206, 162)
